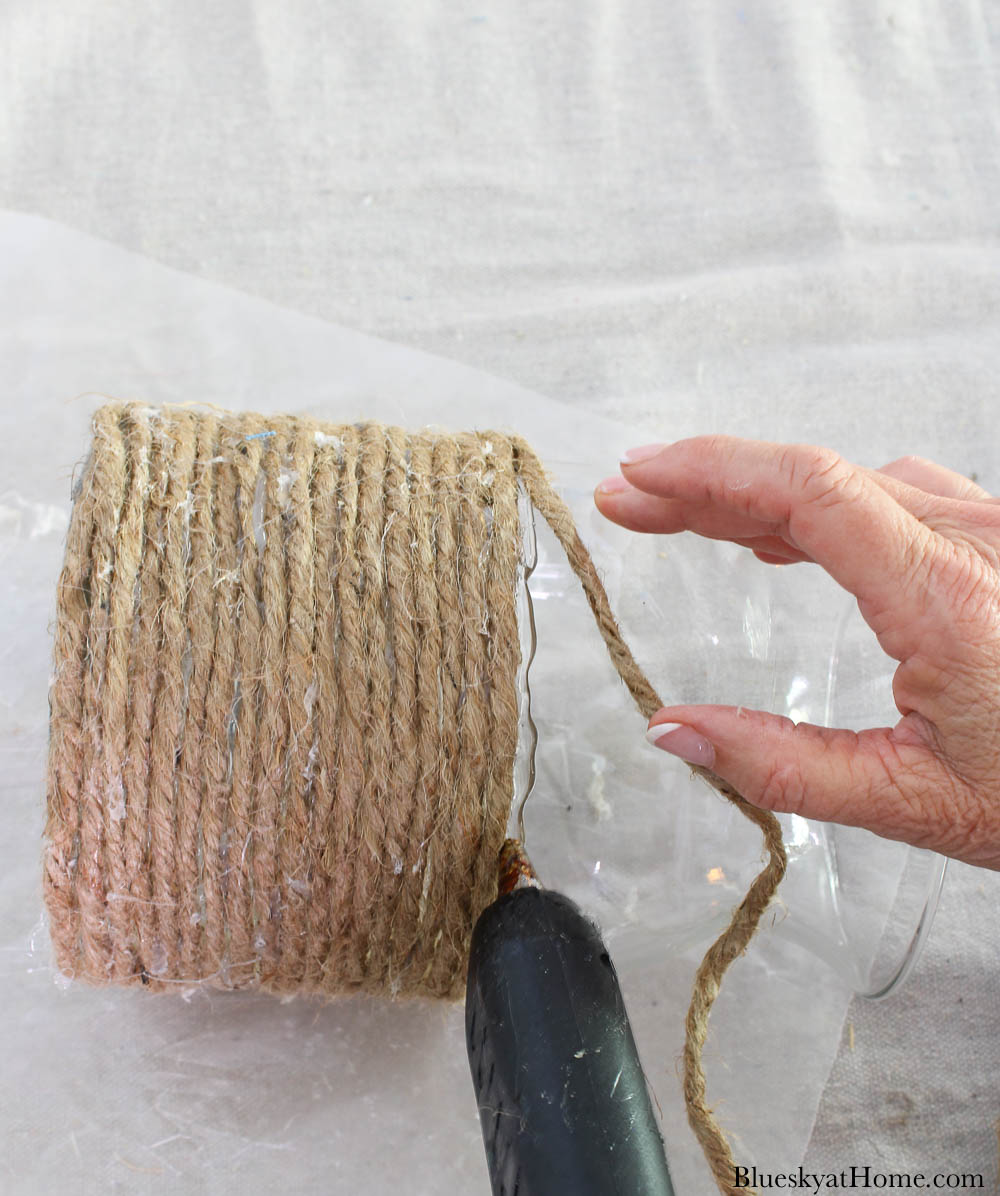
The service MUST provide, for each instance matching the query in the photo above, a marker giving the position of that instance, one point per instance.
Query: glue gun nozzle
(516, 871)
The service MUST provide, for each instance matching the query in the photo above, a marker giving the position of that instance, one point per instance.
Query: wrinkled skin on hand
(919, 547)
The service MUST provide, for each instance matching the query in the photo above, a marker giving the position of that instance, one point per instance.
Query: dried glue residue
(186, 507)
(595, 790)
(158, 958)
(257, 512)
(422, 908)
(286, 480)
(116, 800)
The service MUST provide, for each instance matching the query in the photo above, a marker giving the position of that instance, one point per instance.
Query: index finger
(822, 504)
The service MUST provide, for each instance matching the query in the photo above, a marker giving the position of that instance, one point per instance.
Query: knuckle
(917, 560)
(818, 480)
(819, 474)
(718, 442)
(979, 533)
(715, 446)
(717, 450)
(932, 805)
(964, 579)
(965, 586)
(783, 787)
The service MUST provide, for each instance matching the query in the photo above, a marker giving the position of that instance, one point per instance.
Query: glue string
(284, 711)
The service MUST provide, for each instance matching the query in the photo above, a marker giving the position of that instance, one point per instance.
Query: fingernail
(682, 741)
(615, 485)
(635, 456)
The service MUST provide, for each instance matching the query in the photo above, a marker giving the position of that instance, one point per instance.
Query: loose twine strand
(733, 941)
(284, 710)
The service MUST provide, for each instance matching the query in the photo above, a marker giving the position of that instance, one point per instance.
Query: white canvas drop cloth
(774, 220)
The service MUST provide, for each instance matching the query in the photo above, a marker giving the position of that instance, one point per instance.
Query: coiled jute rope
(284, 710)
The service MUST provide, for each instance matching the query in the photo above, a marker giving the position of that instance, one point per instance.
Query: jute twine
(284, 710)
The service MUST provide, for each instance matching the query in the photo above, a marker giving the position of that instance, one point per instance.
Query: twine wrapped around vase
(284, 709)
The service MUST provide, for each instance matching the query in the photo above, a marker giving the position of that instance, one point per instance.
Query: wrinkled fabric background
(771, 220)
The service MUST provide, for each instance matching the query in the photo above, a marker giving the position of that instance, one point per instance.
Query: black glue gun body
(562, 1097)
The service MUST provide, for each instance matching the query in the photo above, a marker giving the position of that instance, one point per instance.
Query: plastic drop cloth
(121, 1091)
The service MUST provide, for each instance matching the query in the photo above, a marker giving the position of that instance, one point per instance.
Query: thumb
(873, 779)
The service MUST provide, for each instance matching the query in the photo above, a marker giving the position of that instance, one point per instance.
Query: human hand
(919, 547)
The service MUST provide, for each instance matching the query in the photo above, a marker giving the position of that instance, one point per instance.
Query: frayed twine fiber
(284, 711)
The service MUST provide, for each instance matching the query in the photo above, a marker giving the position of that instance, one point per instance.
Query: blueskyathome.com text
(858, 1177)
